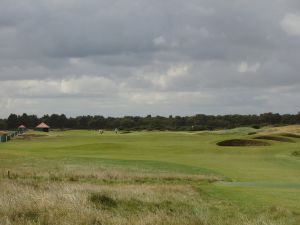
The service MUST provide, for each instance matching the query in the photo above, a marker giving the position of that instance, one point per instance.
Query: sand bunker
(242, 142)
(274, 138)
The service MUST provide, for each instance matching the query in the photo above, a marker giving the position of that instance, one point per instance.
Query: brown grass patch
(242, 142)
(31, 136)
(278, 130)
(77, 204)
(69, 195)
(102, 176)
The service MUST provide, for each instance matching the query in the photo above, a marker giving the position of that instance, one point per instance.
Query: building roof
(21, 126)
(42, 125)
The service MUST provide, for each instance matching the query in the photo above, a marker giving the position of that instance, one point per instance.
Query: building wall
(42, 129)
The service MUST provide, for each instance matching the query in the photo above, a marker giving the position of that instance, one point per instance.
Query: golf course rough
(81, 177)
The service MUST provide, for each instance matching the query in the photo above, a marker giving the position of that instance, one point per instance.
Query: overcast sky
(139, 57)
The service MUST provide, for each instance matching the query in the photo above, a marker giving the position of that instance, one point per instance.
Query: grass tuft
(296, 153)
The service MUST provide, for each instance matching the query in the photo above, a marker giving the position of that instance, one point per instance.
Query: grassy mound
(274, 138)
(242, 142)
(290, 135)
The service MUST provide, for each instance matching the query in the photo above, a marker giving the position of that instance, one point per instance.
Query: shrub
(256, 126)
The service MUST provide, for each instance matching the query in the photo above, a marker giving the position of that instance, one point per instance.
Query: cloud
(139, 57)
(87, 86)
(166, 79)
(245, 67)
(159, 41)
(291, 24)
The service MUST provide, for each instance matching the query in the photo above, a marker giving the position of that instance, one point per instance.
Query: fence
(5, 137)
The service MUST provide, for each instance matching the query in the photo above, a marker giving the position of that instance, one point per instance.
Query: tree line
(190, 123)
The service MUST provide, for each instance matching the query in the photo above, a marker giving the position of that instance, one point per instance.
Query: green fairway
(258, 184)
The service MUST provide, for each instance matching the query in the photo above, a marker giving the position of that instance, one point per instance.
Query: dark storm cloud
(195, 28)
(205, 55)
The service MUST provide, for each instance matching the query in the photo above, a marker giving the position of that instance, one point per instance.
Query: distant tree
(45, 119)
(62, 121)
(2, 125)
(72, 123)
(127, 123)
(12, 121)
(33, 121)
(298, 118)
(179, 121)
(54, 121)
(270, 118)
(97, 122)
(197, 122)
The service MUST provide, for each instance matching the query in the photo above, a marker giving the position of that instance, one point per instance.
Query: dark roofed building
(21, 128)
(42, 127)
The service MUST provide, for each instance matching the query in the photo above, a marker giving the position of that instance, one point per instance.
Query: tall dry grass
(73, 196)
(99, 175)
